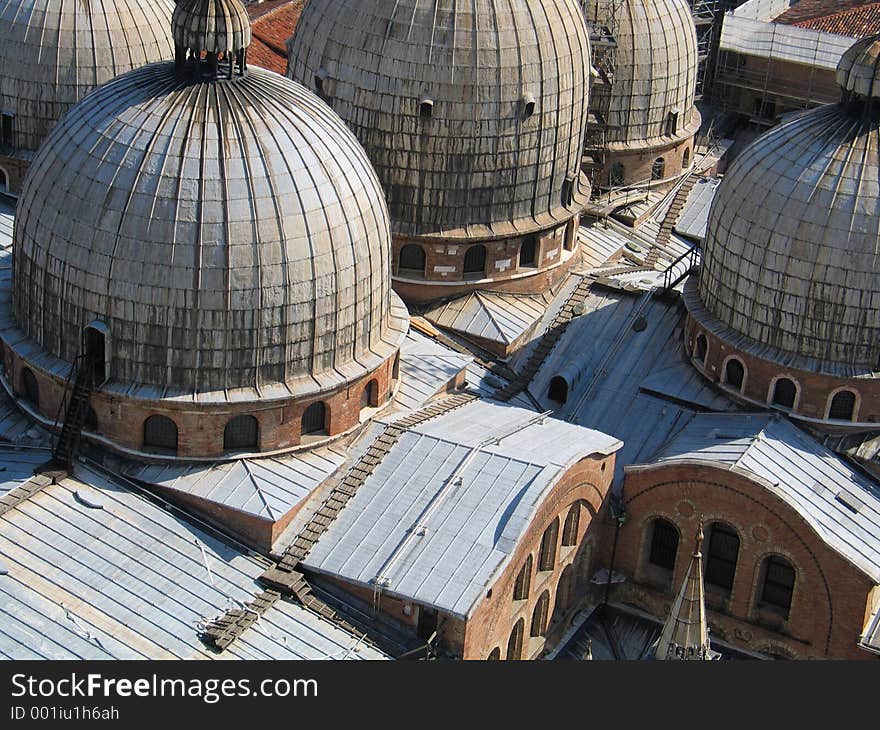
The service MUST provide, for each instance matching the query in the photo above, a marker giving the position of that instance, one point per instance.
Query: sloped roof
(130, 580)
(855, 22)
(493, 316)
(441, 515)
(272, 26)
(840, 504)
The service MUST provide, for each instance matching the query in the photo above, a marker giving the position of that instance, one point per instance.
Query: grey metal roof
(859, 70)
(694, 216)
(428, 537)
(840, 504)
(267, 488)
(493, 316)
(426, 367)
(7, 219)
(17, 465)
(131, 580)
(607, 362)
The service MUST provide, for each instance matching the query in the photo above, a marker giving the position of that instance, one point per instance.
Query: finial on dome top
(858, 71)
(208, 31)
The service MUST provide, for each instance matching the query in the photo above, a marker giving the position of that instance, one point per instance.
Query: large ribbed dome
(53, 52)
(227, 233)
(655, 71)
(472, 113)
(792, 255)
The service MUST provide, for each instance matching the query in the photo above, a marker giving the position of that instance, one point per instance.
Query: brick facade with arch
(830, 599)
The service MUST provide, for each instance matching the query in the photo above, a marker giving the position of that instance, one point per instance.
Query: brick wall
(638, 163)
(814, 390)
(830, 599)
(15, 170)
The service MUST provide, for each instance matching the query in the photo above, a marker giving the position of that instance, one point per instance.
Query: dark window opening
(514, 643)
(242, 432)
(160, 435)
(395, 367)
(547, 559)
(96, 344)
(314, 419)
(567, 192)
(658, 169)
(565, 591)
(616, 175)
(571, 526)
(494, 655)
(686, 158)
(672, 123)
(734, 374)
(4, 181)
(475, 261)
(721, 556)
(702, 348)
(843, 406)
(30, 387)
(664, 544)
(539, 615)
(370, 395)
(784, 393)
(778, 585)
(426, 108)
(523, 582)
(558, 390)
(527, 251)
(427, 622)
(90, 422)
(570, 235)
(411, 260)
(528, 106)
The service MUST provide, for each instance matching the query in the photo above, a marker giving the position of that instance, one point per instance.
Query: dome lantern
(209, 31)
(858, 74)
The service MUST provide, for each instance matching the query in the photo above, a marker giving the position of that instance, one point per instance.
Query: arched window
(777, 584)
(539, 615)
(734, 373)
(411, 260)
(571, 230)
(547, 559)
(30, 388)
(616, 175)
(702, 348)
(96, 351)
(160, 435)
(395, 367)
(241, 432)
(784, 393)
(664, 544)
(527, 251)
(572, 523)
(843, 405)
(514, 643)
(4, 181)
(475, 261)
(686, 158)
(314, 419)
(370, 395)
(658, 169)
(558, 390)
(721, 555)
(494, 655)
(564, 591)
(523, 582)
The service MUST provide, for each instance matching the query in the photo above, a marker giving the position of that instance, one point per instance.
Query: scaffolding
(603, 22)
(707, 15)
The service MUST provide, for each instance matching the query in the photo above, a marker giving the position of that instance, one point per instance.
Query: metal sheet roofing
(131, 580)
(694, 217)
(493, 316)
(7, 219)
(17, 465)
(839, 503)
(441, 514)
(426, 367)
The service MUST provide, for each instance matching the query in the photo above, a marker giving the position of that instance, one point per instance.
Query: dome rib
(211, 26)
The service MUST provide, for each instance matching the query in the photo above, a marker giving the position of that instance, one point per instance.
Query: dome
(211, 26)
(473, 114)
(859, 69)
(53, 52)
(792, 254)
(655, 69)
(226, 234)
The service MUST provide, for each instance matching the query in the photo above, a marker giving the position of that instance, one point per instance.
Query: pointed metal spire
(685, 634)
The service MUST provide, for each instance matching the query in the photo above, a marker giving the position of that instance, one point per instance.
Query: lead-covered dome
(792, 255)
(227, 233)
(212, 26)
(655, 69)
(473, 114)
(53, 52)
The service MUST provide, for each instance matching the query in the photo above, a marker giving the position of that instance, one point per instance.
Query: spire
(685, 634)
(209, 31)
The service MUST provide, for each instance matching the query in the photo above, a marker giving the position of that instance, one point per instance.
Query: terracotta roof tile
(273, 23)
